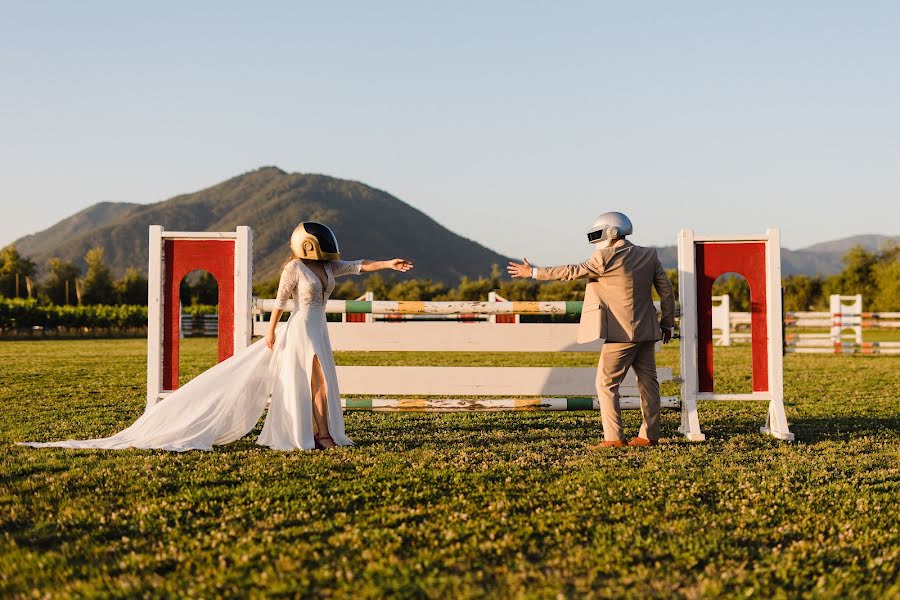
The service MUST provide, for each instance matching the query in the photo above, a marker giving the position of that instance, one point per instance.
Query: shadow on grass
(844, 429)
(810, 430)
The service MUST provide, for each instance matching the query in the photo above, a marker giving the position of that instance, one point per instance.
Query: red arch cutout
(182, 257)
(748, 259)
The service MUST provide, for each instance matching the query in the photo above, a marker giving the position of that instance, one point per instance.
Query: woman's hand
(270, 339)
(518, 269)
(399, 264)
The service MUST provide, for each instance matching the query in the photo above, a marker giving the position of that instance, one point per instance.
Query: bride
(293, 365)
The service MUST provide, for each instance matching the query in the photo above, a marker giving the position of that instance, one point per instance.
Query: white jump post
(495, 297)
(367, 296)
(173, 254)
(846, 316)
(700, 261)
(721, 319)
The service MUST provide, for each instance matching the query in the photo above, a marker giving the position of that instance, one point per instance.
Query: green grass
(450, 505)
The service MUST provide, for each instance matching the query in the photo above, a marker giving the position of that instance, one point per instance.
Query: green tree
(672, 274)
(346, 290)
(857, 276)
(496, 276)
(99, 287)
(833, 284)
(518, 289)
(14, 266)
(132, 288)
(886, 276)
(200, 287)
(737, 289)
(61, 275)
(472, 289)
(378, 286)
(417, 289)
(802, 293)
(267, 288)
(562, 290)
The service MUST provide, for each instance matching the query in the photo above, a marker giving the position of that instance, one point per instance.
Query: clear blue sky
(511, 123)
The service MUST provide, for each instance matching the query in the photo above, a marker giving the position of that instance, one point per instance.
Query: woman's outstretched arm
(397, 264)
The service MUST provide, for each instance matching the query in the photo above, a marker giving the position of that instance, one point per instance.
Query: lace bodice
(298, 280)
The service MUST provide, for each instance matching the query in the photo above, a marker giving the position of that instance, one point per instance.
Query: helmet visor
(327, 241)
(596, 236)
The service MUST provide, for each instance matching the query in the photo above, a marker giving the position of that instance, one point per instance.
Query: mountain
(871, 242)
(825, 258)
(98, 215)
(369, 223)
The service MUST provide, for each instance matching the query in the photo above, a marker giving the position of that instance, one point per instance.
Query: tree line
(64, 284)
(875, 275)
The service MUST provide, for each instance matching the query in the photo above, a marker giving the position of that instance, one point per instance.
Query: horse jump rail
(494, 404)
(387, 307)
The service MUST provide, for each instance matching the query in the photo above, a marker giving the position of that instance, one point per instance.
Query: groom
(618, 307)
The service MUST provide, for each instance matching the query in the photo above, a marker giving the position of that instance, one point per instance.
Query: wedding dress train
(224, 403)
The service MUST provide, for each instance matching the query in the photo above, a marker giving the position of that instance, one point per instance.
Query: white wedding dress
(225, 403)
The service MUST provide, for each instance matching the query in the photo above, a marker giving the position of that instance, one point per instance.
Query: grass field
(453, 505)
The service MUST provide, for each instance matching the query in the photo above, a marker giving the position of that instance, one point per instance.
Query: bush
(17, 314)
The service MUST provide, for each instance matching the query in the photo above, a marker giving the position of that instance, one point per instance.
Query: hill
(46, 242)
(871, 242)
(368, 223)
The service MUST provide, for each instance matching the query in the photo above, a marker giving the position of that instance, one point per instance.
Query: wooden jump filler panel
(700, 261)
(174, 254)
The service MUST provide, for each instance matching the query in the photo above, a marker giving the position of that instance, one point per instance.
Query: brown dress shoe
(639, 441)
(611, 444)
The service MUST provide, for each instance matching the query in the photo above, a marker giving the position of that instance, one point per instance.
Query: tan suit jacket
(618, 305)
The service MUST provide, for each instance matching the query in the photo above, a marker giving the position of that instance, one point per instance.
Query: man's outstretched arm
(589, 268)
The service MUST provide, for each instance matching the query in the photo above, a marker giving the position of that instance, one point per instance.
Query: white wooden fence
(845, 322)
(199, 325)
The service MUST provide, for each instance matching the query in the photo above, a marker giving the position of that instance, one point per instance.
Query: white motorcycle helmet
(609, 226)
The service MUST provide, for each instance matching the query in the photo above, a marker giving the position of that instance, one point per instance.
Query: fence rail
(199, 325)
(483, 388)
(408, 307)
(845, 323)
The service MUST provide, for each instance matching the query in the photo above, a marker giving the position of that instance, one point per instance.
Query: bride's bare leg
(320, 404)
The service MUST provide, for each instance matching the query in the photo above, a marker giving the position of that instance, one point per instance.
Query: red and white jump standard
(174, 254)
(701, 259)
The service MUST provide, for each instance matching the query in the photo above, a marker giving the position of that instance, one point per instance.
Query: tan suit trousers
(615, 358)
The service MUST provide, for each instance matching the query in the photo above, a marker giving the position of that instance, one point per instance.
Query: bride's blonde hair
(290, 258)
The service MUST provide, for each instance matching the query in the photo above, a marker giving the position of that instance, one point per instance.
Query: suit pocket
(589, 308)
(592, 325)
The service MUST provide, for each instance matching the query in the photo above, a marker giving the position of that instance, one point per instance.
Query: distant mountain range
(367, 221)
(825, 258)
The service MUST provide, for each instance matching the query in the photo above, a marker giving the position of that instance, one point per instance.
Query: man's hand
(666, 335)
(518, 269)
